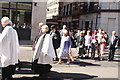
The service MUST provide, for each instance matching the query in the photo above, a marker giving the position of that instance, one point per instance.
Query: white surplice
(9, 47)
(47, 48)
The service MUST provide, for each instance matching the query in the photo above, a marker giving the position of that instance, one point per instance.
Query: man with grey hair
(113, 45)
(9, 49)
(37, 36)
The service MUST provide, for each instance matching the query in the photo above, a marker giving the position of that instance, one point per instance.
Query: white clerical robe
(47, 48)
(9, 47)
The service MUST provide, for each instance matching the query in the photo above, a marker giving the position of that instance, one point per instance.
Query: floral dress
(65, 47)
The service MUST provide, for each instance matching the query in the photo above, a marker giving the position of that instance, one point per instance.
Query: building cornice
(95, 11)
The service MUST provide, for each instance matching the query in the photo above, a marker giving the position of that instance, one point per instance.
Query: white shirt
(88, 40)
(112, 39)
(99, 37)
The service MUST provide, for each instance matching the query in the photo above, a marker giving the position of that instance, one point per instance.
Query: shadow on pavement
(116, 61)
(60, 76)
(26, 69)
(81, 63)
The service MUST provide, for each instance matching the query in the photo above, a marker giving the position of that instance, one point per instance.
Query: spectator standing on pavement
(113, 45)
(99, 34)
(77, 34)
(106, 38)
(9, 49)
(94, 34)
(81, 44)
(55, 39)
(94, 47)
(71, 34)
(84, 32)
(65, 48)
(44, 53)
(102, 47)
(88, 40)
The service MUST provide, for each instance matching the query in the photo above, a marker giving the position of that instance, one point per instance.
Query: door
(86, 25)
(111, 26)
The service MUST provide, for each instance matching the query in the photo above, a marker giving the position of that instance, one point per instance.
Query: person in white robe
(44, 53)
(9, 49)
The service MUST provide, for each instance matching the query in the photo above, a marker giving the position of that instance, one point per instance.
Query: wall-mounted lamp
(35, 3)
(48, 9)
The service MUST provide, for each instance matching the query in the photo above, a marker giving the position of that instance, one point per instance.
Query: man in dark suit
(37, 36)
(55, 38)
(113, 45)
(80, 44)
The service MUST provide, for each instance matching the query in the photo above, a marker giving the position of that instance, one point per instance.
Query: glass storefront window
(26, 6)
(5, 12)
(18, 12)
(13, 5)
(5, 5)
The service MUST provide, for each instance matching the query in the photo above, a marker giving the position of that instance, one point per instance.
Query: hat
(52, 26)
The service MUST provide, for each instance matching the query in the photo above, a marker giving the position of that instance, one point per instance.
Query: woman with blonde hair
(44, 53)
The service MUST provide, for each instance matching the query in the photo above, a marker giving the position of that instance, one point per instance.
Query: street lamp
(35, 3)
(97, 16)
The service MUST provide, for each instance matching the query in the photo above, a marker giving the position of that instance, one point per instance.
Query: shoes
(77, 57)
(93, 58)
(55, 59)
(7, 78)
(68, 63)
(19, 69)
(82, 57)
(73, 59)
(3, 79)
(109, 60)
(101, 59)
(59, 63)
(87, 57)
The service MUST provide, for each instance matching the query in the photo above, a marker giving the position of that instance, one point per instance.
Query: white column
(0, 17)
(38, 16)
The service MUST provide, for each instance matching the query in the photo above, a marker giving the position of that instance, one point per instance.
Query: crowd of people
(47, 41)
(89, 44)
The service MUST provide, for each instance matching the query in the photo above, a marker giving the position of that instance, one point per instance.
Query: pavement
(80, 69)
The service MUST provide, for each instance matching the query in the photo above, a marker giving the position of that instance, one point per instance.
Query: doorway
(86, 25)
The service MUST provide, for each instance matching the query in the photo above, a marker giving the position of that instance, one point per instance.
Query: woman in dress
(102, 46)
(95, 33)
(65, 48)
